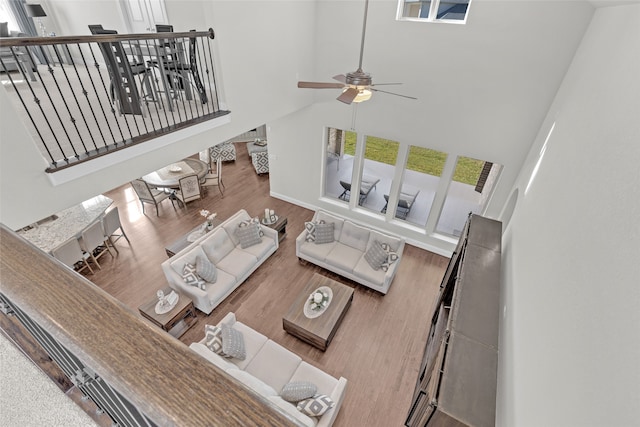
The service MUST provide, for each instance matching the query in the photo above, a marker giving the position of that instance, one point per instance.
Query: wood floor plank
(378, 346)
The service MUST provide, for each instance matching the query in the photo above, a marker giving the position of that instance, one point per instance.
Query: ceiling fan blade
(391, 93)
(320, 85)
(385, 84)
(340, 78)
(348, 95)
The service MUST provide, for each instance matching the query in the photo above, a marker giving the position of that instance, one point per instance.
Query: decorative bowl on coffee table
(318, 302)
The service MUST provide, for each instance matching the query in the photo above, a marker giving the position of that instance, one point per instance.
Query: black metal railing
(87, 96)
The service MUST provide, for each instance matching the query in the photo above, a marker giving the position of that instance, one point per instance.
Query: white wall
(72, 17)
(570, 331)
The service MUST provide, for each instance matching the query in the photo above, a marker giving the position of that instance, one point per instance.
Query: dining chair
(110, 225)
(148, 195)
(205, 156)
(189, 189)
(176, 69)
(164, 28)
(70, 254)
(123, 88)
(213, 179)
(94, 242)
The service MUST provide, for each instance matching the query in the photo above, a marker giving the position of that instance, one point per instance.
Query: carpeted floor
(28, 398)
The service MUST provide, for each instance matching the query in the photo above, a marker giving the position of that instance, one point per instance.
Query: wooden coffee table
(177, 321)
(318, 331)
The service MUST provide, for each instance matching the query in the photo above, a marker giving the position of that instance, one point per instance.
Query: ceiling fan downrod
(364, 29)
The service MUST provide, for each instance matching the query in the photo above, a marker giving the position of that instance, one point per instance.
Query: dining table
(169, 176)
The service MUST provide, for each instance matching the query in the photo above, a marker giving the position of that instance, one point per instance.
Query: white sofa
(234, 264)
(268, 367)
(346, 254)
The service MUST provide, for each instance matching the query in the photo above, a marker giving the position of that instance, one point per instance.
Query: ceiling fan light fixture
(364, 93)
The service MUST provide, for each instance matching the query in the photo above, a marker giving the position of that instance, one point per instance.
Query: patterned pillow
(255, 221)
(376, 256)
(190, 276)
(324, 233)
(311, 230)
(315, 406)
(298, 390)
(206, 270)
(213, 338)
(232, 343)
(248, 234)
(392, 256)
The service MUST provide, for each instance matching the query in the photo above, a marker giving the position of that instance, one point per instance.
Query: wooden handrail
(38, 41)
(162, 377)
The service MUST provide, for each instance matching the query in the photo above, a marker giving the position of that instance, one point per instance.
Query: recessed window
(434, 10)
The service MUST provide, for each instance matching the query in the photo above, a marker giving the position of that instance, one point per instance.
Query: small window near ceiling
(452, 11)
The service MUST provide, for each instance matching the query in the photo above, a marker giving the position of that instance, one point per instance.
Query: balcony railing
(87, 96)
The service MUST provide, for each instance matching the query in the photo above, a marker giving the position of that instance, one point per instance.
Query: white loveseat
(346, 254)
(233, 264)
(268, 367)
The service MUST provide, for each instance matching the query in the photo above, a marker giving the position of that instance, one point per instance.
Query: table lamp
(36, 11)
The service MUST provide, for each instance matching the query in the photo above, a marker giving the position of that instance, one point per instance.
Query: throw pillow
(213, 338)
(4, 29)
(310, 227)
(190, 276)
(232, 343)
(376, 255)
(255, 221)
(392, 256)
(296, 391)
(206, 270)
(248, 235)
(315, 406)
(324, 233)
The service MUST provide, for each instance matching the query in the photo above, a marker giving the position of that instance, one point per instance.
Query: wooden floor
(379, 345)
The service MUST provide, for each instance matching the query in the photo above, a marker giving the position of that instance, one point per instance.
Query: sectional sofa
(268, 367)
(349, 251)
(233, 264)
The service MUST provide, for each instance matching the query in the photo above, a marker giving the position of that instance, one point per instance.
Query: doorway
(143, 15)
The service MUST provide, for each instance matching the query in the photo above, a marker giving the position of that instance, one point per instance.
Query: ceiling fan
(357, 86)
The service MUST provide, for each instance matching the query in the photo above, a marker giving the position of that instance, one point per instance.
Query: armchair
(147, 195)
(260, 161)
(226, 151)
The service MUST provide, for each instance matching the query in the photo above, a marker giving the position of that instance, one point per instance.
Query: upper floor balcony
(82, 97)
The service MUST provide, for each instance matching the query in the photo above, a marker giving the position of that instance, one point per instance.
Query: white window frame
(433, 13)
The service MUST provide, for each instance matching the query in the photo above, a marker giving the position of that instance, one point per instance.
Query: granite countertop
(69, 223)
